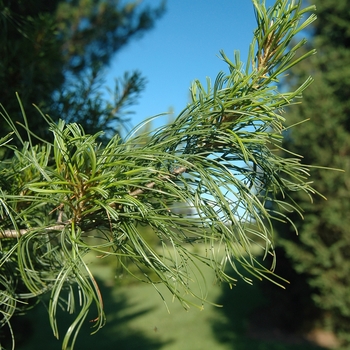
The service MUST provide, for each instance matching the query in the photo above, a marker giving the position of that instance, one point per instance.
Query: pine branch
(220, 156)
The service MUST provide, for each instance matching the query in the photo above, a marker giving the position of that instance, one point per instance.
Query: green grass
(138, 319)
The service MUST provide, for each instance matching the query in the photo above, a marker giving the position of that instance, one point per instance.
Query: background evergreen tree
(53, 54)
(320, 255)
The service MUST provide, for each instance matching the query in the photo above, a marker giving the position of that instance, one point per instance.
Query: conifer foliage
(64, 199)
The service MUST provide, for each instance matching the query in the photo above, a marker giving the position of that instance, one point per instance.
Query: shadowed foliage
(320, 255)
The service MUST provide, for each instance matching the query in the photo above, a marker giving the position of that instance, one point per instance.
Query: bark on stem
(17, 233)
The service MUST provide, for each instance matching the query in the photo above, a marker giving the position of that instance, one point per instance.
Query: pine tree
(320, 254)
(53, 54)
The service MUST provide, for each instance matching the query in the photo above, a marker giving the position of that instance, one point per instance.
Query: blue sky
(183, 46)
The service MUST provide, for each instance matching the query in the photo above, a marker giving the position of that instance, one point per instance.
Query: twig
(17, 233)
(11, 233)
(150, 185)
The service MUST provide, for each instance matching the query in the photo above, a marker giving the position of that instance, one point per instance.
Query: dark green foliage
(53, 54)
(321, 252)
